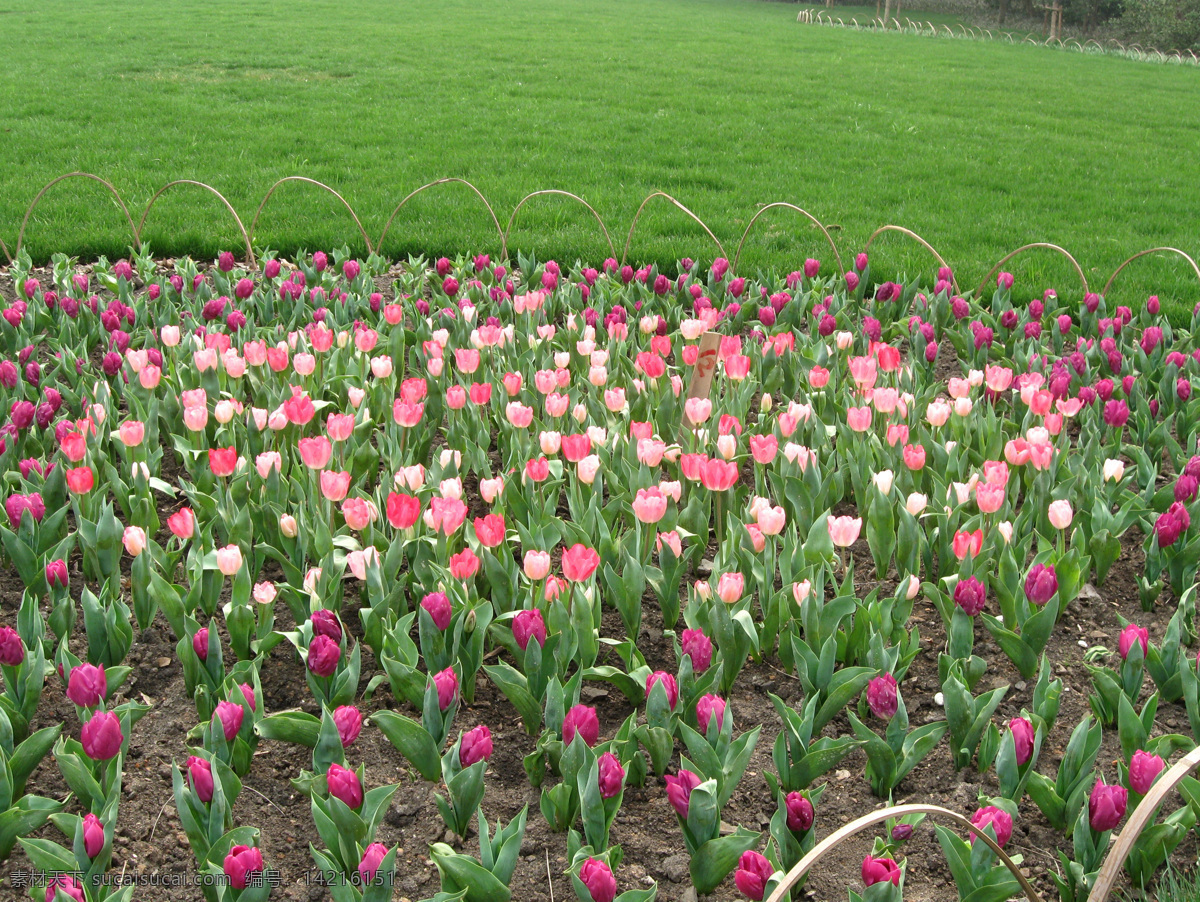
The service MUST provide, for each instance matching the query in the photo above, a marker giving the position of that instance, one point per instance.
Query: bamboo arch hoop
(1142, 815)
(913, 235)
(1153, 250)
(805, 864)
(301, 178)
(1037, 244)
(824, 231)
(446, 181)
(637, 216)
(228, 206)
(137, 241)
(557, 191)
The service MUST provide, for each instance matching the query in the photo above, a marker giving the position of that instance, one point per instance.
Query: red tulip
(579, 562)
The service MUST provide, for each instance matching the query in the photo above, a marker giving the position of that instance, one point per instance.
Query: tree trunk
(887, 12)
(1003, 11)
(876, 9)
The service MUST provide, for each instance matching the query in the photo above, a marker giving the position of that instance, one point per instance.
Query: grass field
(727, 104)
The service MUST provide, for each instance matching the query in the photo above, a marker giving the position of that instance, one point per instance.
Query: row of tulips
(331, 441)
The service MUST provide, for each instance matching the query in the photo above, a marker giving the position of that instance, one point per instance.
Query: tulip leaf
(298, 727)
(412, 741)
(514, 685)
(713, 861)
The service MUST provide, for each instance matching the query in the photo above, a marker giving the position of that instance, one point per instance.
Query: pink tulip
(844, 531)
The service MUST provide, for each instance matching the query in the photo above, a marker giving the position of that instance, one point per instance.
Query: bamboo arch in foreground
(913, 235)
(446, 181)
(557, 191)
(1143, 816)
(638, 214)
(228, 206)
(824, 231)
(1153, 250)
(805, 864)
(1027, 247)
(306, 180)
(137, 241)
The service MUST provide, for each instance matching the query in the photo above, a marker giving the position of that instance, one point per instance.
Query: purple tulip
(101, 736)
(1170, 524)
(349, 724)
(611, 775)
(1000, 820)
(241, 863)
(880, 870)
(668, 683)
(56, 574)
(323, 656)
(344, 785)
(902, 833)
(581, 720)
(475, 745)
(800, 814)
(369, 866)
(200, 772)
(87, 686)
(1144, 769)
(699, 648)
(1131, 634)
(529, 625)
(679, 790)
(1022, 732)
(93, 835)
(1041, 583)
(599, 880)
(12, 649)
(438, 606)
(710, 709)
(753, 873)
(325, 623)
(230, 715)
(1106, 806)
(200, 643)
(66, 885)
(446, 683)
(883, 696)
(970, 595)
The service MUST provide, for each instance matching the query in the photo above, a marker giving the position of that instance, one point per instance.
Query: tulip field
(334, 578)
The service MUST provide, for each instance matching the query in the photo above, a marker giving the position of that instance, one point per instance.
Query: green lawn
(727, 104)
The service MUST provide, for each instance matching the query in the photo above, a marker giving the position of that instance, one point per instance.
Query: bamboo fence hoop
(306, 180)
(805, 864)
(913, 235)
(71, 175)
(1142, 815)
(633, 225)
(445, 181)
(824, 231)
(1153, 250)
(228, 206)
(1036, 244)
(558, 191)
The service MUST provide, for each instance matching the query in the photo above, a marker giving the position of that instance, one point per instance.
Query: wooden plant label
(702, 372)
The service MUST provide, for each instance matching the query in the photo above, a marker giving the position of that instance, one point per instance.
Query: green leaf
(412, 741)
(713, 861)
(515, 688)
(298, 727)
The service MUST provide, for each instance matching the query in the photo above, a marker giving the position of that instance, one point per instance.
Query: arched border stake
(228, 206)
(1052, 247)
(611, 250)
(303, 178)
(867, 820)
(913, 235)
(637, 215)
(4, 247)
(738, 255)
(479, 194)
(1153, 250)
(137, 241)
(1142, 815)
